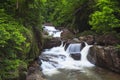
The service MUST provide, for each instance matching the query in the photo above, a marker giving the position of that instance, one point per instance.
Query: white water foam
(58, 58)
(52, 31)
(74, 48)
(64, 61)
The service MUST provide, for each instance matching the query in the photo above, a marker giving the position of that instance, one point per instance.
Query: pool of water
(94, 73)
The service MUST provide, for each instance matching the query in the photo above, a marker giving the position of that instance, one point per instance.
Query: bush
(103, 20)
(12, 45)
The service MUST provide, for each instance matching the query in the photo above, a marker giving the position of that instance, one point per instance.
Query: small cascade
(74, 51)
(57, 58)
(74, 48)
(84, 53)
(52, 31)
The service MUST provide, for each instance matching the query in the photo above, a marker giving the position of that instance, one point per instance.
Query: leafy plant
(103, 20)
(11, 42)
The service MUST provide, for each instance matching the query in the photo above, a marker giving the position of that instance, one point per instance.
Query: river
(57, 64)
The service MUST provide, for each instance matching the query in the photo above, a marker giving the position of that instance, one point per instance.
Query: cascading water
(58, 58)
(73, 48)
(57, 64)
(52, 31)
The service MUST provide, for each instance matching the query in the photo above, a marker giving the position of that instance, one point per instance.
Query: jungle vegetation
(21, 26)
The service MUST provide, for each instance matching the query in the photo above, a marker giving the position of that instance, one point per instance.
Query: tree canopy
(98, 15)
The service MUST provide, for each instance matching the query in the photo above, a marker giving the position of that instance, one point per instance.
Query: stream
(57, 64)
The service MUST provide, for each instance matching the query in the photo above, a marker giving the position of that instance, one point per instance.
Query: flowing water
(57, 64)
(52, 31)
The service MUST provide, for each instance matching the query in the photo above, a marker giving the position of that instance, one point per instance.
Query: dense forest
(20, 35)
(21, 26)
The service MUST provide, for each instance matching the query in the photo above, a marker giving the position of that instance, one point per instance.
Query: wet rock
(106, 57)
(82, 46)
(76, 56)
(51, 42)
(48, 57)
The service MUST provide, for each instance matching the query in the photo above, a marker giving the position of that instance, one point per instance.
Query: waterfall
(84, 53)
(57, 58)
(52, 31)
(73, 48)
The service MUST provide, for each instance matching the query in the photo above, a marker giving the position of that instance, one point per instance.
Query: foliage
(11, 45)
(21, 30)
(10, 68)
(10, 36)
(28, 14)
(68, 13)
(20, 34)
(104, 20)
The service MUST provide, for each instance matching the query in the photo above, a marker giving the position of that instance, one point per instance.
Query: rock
(34, 72)
(82, 46)
(76, 56)
(48, 57)
(67, 35)
(35, 76)
(76, 40)
(51, 42)
(106, 57)
(103, 40)
(108, 39)
(89, 39)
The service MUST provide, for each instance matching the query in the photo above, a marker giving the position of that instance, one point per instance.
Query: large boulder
(76, 56)
(106, 57)
(103, 40)
(89, 39)
(66, 35)
(108, 39)
(51, 42)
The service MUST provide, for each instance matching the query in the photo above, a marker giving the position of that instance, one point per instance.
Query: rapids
(57, 64)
